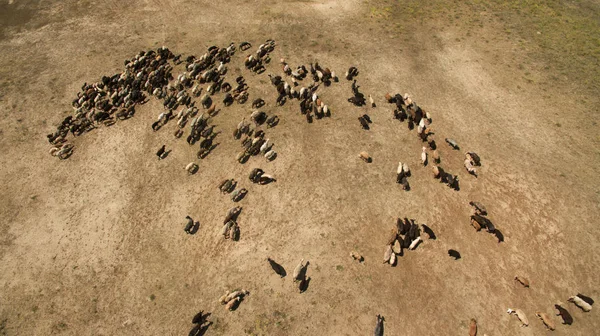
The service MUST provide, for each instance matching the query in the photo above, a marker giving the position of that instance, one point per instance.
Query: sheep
(365, 157)
(266, 179)
(277, 267)
(521, 315)
(400, 168)
(436, 156)
(547, 320)
(414, 243)
(579, 302)
(191, 168)
(161, 152)
(523, 281)
(226, 185)
(389, 98)
(363, 123)
(255, 174)
(424, 156)
(393, 259)
(356, 256)
(189, 224)
(452, 143)
(474, 158)
(436, 171)
(379, 326)
(239, 194)
(470, 168)
(405, 184)
(270, 155)
(564, 314)
(232, 214)
(223, 299)
(406, 169)
(298, 270)
(473, 327)
(387, 254)
(371, 101)
(479, 208)
(225, 231)
(351, 73)
(264, 146)
(272, 121)
(232, 304)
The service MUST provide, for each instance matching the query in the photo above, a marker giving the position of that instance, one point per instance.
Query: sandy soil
(94, 245)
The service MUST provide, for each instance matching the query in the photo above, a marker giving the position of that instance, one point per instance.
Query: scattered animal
(579, 302)
(161, 152)
(521, 315)
(452, 143)
(365, 157)
(473, 327)
(523, 281)
(356, 256)
(379, 326)
(454, 254)
(547, 320)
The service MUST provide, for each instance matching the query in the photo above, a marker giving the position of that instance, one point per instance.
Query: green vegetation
(564, 35)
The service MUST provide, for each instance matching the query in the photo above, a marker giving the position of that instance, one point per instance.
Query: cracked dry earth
(94, 245)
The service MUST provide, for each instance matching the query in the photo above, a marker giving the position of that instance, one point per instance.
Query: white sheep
(470, 168)
(414, 243)
(298, 270)
(521, 315)
(579, 302)
(424, 156)
(265, 146)
(387, 255)
(405, 168)
(191, 168)
(400, 167)
(270, 155)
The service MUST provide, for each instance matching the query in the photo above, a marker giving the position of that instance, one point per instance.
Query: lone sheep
(521, 315)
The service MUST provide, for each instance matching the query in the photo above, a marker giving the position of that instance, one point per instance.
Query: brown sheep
(473, 327)
(548, 321)
(365, 157)
(523, 281)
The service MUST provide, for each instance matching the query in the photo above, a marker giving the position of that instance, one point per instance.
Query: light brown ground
(85, 243)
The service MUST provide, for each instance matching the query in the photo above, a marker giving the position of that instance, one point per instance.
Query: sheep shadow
(244, 159)
(585, 298)
(454, 254)
(194, 228)
(433, 145)
(303, 271)
(280, 270)
(304, 283)
(499, 235)
(429, 232)
(200, 330)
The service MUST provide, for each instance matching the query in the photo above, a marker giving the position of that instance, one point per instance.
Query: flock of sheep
(150, 73)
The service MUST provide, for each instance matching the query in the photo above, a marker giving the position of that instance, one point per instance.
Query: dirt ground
(94, 245)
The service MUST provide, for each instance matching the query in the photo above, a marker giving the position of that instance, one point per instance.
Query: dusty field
(94, 245)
